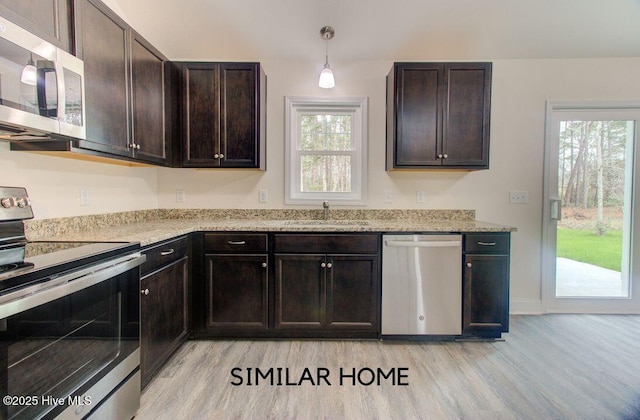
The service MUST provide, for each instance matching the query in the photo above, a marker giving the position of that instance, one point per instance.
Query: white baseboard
(525, 307)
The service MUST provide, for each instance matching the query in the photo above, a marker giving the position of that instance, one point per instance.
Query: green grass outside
(585, 246)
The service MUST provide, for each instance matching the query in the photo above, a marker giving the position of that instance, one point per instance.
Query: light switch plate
(388, 196)
(180, 196)
(420, 196)
(262, 196)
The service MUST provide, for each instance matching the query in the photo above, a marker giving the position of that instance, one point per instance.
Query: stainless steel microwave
(41, 88)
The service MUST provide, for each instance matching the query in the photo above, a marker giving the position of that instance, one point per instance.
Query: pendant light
(326, 75)
(29, 73)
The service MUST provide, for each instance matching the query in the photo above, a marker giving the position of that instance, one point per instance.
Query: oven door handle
(30, 297)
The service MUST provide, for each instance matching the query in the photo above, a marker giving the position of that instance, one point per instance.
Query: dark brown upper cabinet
(124, 84)
(148, 81)
(223, 122)
(48, 19)
(438, 116)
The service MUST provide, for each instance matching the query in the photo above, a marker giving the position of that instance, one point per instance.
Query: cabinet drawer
(487, 243)
(235, 242)
(163, 253)
(334, 244)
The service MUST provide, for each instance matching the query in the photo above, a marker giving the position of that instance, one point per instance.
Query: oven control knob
(23, 202)
(8, 202)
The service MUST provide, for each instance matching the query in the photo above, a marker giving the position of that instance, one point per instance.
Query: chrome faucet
(325, 205)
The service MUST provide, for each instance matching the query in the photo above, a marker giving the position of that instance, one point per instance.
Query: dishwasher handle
(423, 244)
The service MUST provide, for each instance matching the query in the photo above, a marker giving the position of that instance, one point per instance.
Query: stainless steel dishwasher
(421, 285)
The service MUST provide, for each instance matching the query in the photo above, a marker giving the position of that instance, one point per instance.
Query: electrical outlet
(180, 196)
(262, 196)
(420, 196)
(84, 197)
(388, 196)
(518, 197)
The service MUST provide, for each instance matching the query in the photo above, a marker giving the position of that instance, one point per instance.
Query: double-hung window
(326, 150)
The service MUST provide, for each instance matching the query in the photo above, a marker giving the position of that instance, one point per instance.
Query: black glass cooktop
(43, 260)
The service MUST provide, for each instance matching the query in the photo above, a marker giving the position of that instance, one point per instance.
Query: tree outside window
(326, 150)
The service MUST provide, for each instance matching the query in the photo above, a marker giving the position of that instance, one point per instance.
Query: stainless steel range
(69, 323)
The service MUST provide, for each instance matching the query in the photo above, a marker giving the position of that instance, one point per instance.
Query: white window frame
(295, 107)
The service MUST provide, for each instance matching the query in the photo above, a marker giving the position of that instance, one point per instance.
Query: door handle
(556, 210)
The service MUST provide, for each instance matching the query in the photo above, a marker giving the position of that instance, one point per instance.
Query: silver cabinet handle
(221, 156)
(323, 265)
(264, 265)
(440, 156)
(145, 292)
(169, 252)
(329, 265)
(486, 243)
(236, 242)
(469, 265)
(446, 156)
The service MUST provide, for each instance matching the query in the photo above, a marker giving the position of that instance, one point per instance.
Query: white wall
(54, 184)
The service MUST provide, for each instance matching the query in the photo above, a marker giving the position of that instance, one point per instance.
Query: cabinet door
(239, 115)
(102, 42)
(300, 297)
(238, 291)
(352, 292)
(201, 114)
(485, 295)
(466, 114)
(148, 101)
(163, 315)
(417, 105)
(48, 19)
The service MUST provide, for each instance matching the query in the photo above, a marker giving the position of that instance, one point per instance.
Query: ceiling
(388, 29)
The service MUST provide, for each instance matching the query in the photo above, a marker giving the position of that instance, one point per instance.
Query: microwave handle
(62, 103)
(41, 89)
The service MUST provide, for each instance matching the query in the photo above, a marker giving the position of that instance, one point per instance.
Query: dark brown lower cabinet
(286, 285)
(300, 287)
(238, 292)
(352, 292)
(236, 285)
(163, 305)
(485, 285)
(329, 292)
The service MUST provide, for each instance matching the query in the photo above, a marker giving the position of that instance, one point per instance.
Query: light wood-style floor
(548, 367)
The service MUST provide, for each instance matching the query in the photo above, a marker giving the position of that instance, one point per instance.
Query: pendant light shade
(29, 73)
(326, 80)
(326, 77)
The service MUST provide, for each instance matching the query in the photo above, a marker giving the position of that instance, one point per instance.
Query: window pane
(325, 173)
(325, 132)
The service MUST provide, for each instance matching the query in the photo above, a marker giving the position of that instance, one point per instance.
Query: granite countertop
(153, 228)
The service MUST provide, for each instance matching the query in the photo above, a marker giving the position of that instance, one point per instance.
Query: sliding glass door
(589, 213)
